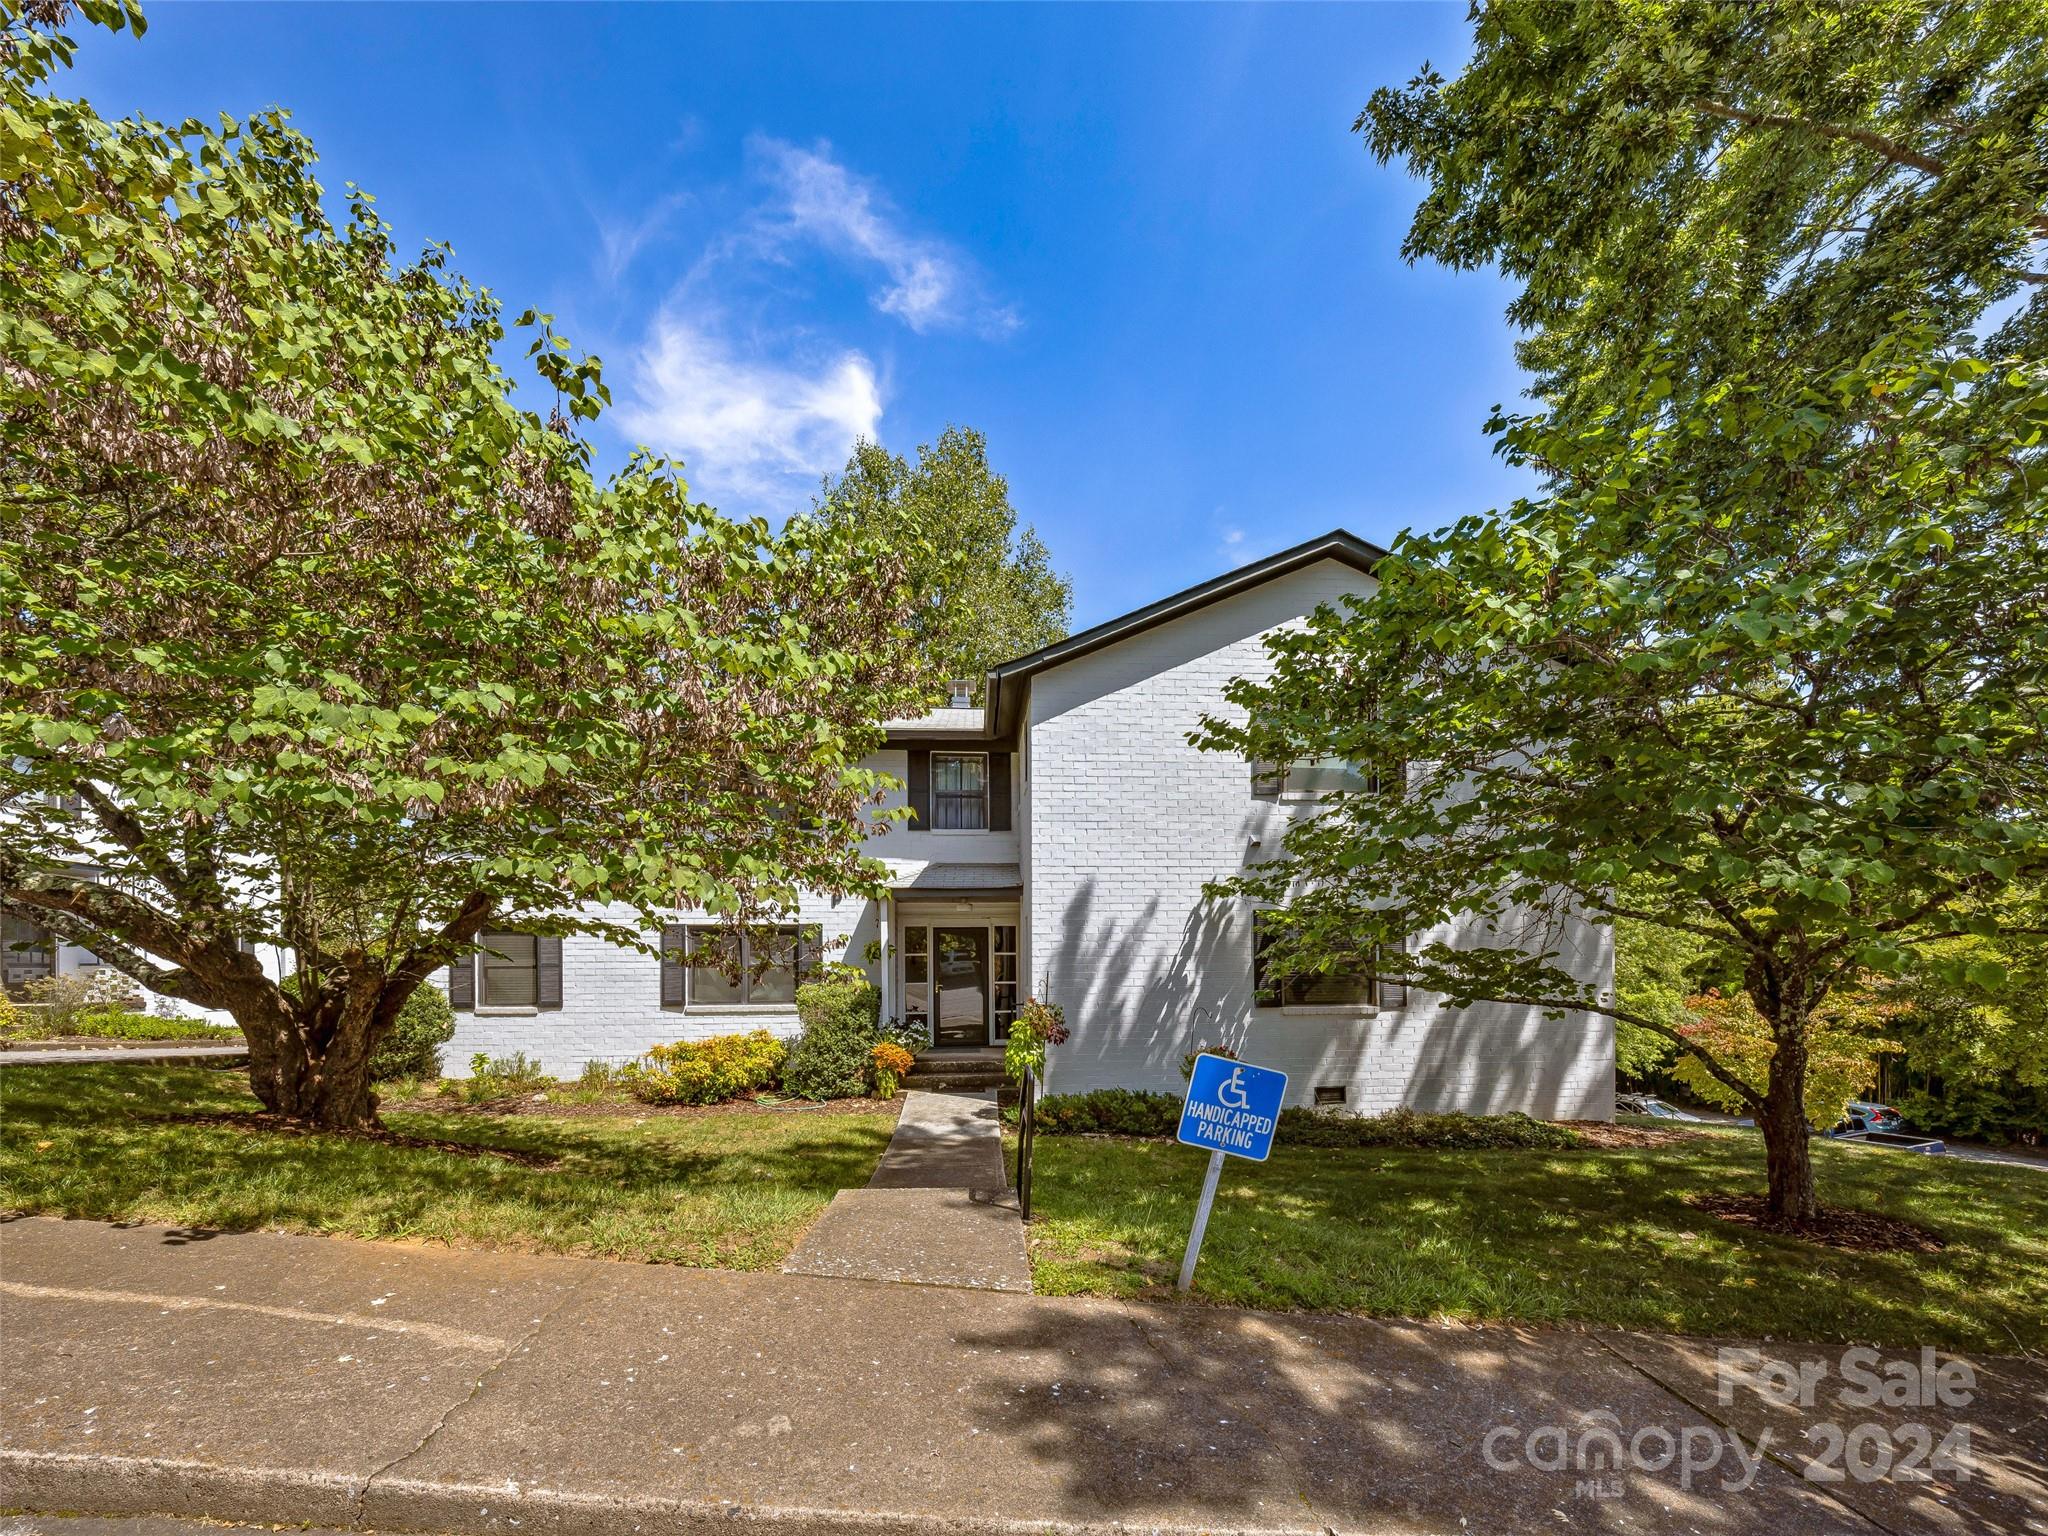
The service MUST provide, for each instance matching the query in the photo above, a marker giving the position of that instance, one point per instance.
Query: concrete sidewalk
(360, 1386)
(937, 1211)
(125, 1055)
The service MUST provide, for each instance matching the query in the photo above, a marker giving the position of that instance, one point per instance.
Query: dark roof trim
(1004, 681)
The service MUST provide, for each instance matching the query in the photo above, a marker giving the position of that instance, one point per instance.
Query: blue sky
(1140, 247)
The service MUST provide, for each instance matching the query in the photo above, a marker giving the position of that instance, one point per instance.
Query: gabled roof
(999, 719)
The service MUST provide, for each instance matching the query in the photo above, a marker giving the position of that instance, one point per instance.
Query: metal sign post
(1231, 1110)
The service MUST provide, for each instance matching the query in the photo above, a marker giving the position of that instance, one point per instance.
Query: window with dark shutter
(999, 791)
(761, 968)
(548, 971)
(959, 791)
(462, 984)
(921, 790)
(672, 970)
(1348, 987)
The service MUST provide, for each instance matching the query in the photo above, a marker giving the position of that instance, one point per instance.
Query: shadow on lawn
(175, 1144)
(1558, 1237)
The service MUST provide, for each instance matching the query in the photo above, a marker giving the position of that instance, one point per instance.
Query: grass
(727, 1190)
(1592, 1237)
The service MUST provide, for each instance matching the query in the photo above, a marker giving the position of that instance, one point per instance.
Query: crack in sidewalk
(359, 1497)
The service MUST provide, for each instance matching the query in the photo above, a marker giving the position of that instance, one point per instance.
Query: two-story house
(1062, 831)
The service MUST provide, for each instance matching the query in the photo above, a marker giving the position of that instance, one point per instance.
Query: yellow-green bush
(706, 1071)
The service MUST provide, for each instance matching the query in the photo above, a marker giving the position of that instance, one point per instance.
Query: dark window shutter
(547, 960)
(999, 791)
(921, 789)
(672, 995)
(1265, 991)
(1392, 994)
(1267, 779)
(462, 985)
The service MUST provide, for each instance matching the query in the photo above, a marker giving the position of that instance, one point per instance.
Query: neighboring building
(1064, 828)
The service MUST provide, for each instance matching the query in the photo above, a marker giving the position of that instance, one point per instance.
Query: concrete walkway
(938, 1210)
(368, 1386)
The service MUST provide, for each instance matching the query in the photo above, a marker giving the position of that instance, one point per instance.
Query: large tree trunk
(324, 1084)
(1787, 1157)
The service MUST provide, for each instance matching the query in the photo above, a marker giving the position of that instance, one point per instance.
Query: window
(27, 953)
(508, 971)
(1005, 952)
(1351, 987)
(761, 968)
(960, 791)
(1320, 777)
(917, 978)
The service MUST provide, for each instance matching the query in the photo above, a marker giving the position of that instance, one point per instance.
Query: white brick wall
(1128, 820)
(611, 1001)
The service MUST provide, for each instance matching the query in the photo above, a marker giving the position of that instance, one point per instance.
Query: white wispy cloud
(927, 283)
(1231, 544)
(756, 435)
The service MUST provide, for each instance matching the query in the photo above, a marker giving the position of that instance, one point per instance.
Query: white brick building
(1062, 835)
(1064, 831)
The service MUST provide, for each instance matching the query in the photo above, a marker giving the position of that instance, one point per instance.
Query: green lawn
(732, 1190)
(1585, 1237)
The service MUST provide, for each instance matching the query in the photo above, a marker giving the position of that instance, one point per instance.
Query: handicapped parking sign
(1232, 1107)
(1231, 1110)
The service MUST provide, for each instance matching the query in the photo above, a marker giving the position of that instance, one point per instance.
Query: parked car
(1655, 1108)
(1861, 1115)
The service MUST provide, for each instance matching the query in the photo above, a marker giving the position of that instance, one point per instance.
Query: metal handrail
(1027, 1129)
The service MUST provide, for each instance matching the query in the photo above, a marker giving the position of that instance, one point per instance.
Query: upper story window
(960, 791)
(714, 967)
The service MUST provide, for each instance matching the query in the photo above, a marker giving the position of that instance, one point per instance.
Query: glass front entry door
(960, 975)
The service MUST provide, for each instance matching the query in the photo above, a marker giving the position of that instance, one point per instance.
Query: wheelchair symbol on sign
(1230, 1092)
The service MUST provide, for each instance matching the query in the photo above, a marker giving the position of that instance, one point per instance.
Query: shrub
(707, 1071)
(832, 1058)
(121, 1024)
(1109, 1112)
(891, 1061)
(413, 1048)
(62, 1000)
(1413, 1128)
(1129, 1112)
(13, 1024)
(1037, 1026)
(492, 1078)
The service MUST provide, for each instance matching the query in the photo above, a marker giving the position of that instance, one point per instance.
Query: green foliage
(1788, 709)
(495, 1078)
(1036, 1027)
(708, 1071)
(986, 592)
(1108, 1112)
(1732, 186)
(102, 1023)
(412, 1048)
(63, 1004)
(833, 1057)
(1841, 1047)
(311, 634)
(1131, 1112)
(1655, 970)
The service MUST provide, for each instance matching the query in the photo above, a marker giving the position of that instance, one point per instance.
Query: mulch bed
(1861, 1231)
(1601, 1133)
(276, 1125)
(633, 1109)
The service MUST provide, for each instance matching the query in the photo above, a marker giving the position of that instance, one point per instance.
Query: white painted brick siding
(1127, 821)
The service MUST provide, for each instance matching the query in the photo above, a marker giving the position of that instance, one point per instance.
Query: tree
(1791, 702)
(1733, 186)
(310, 636)
(986, 591)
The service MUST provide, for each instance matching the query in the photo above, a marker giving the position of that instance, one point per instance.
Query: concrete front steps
(956, 1069)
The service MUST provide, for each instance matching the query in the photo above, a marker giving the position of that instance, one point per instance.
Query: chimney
(961, 691)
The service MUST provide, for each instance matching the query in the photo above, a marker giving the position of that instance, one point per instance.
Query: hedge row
(1130, 1112)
